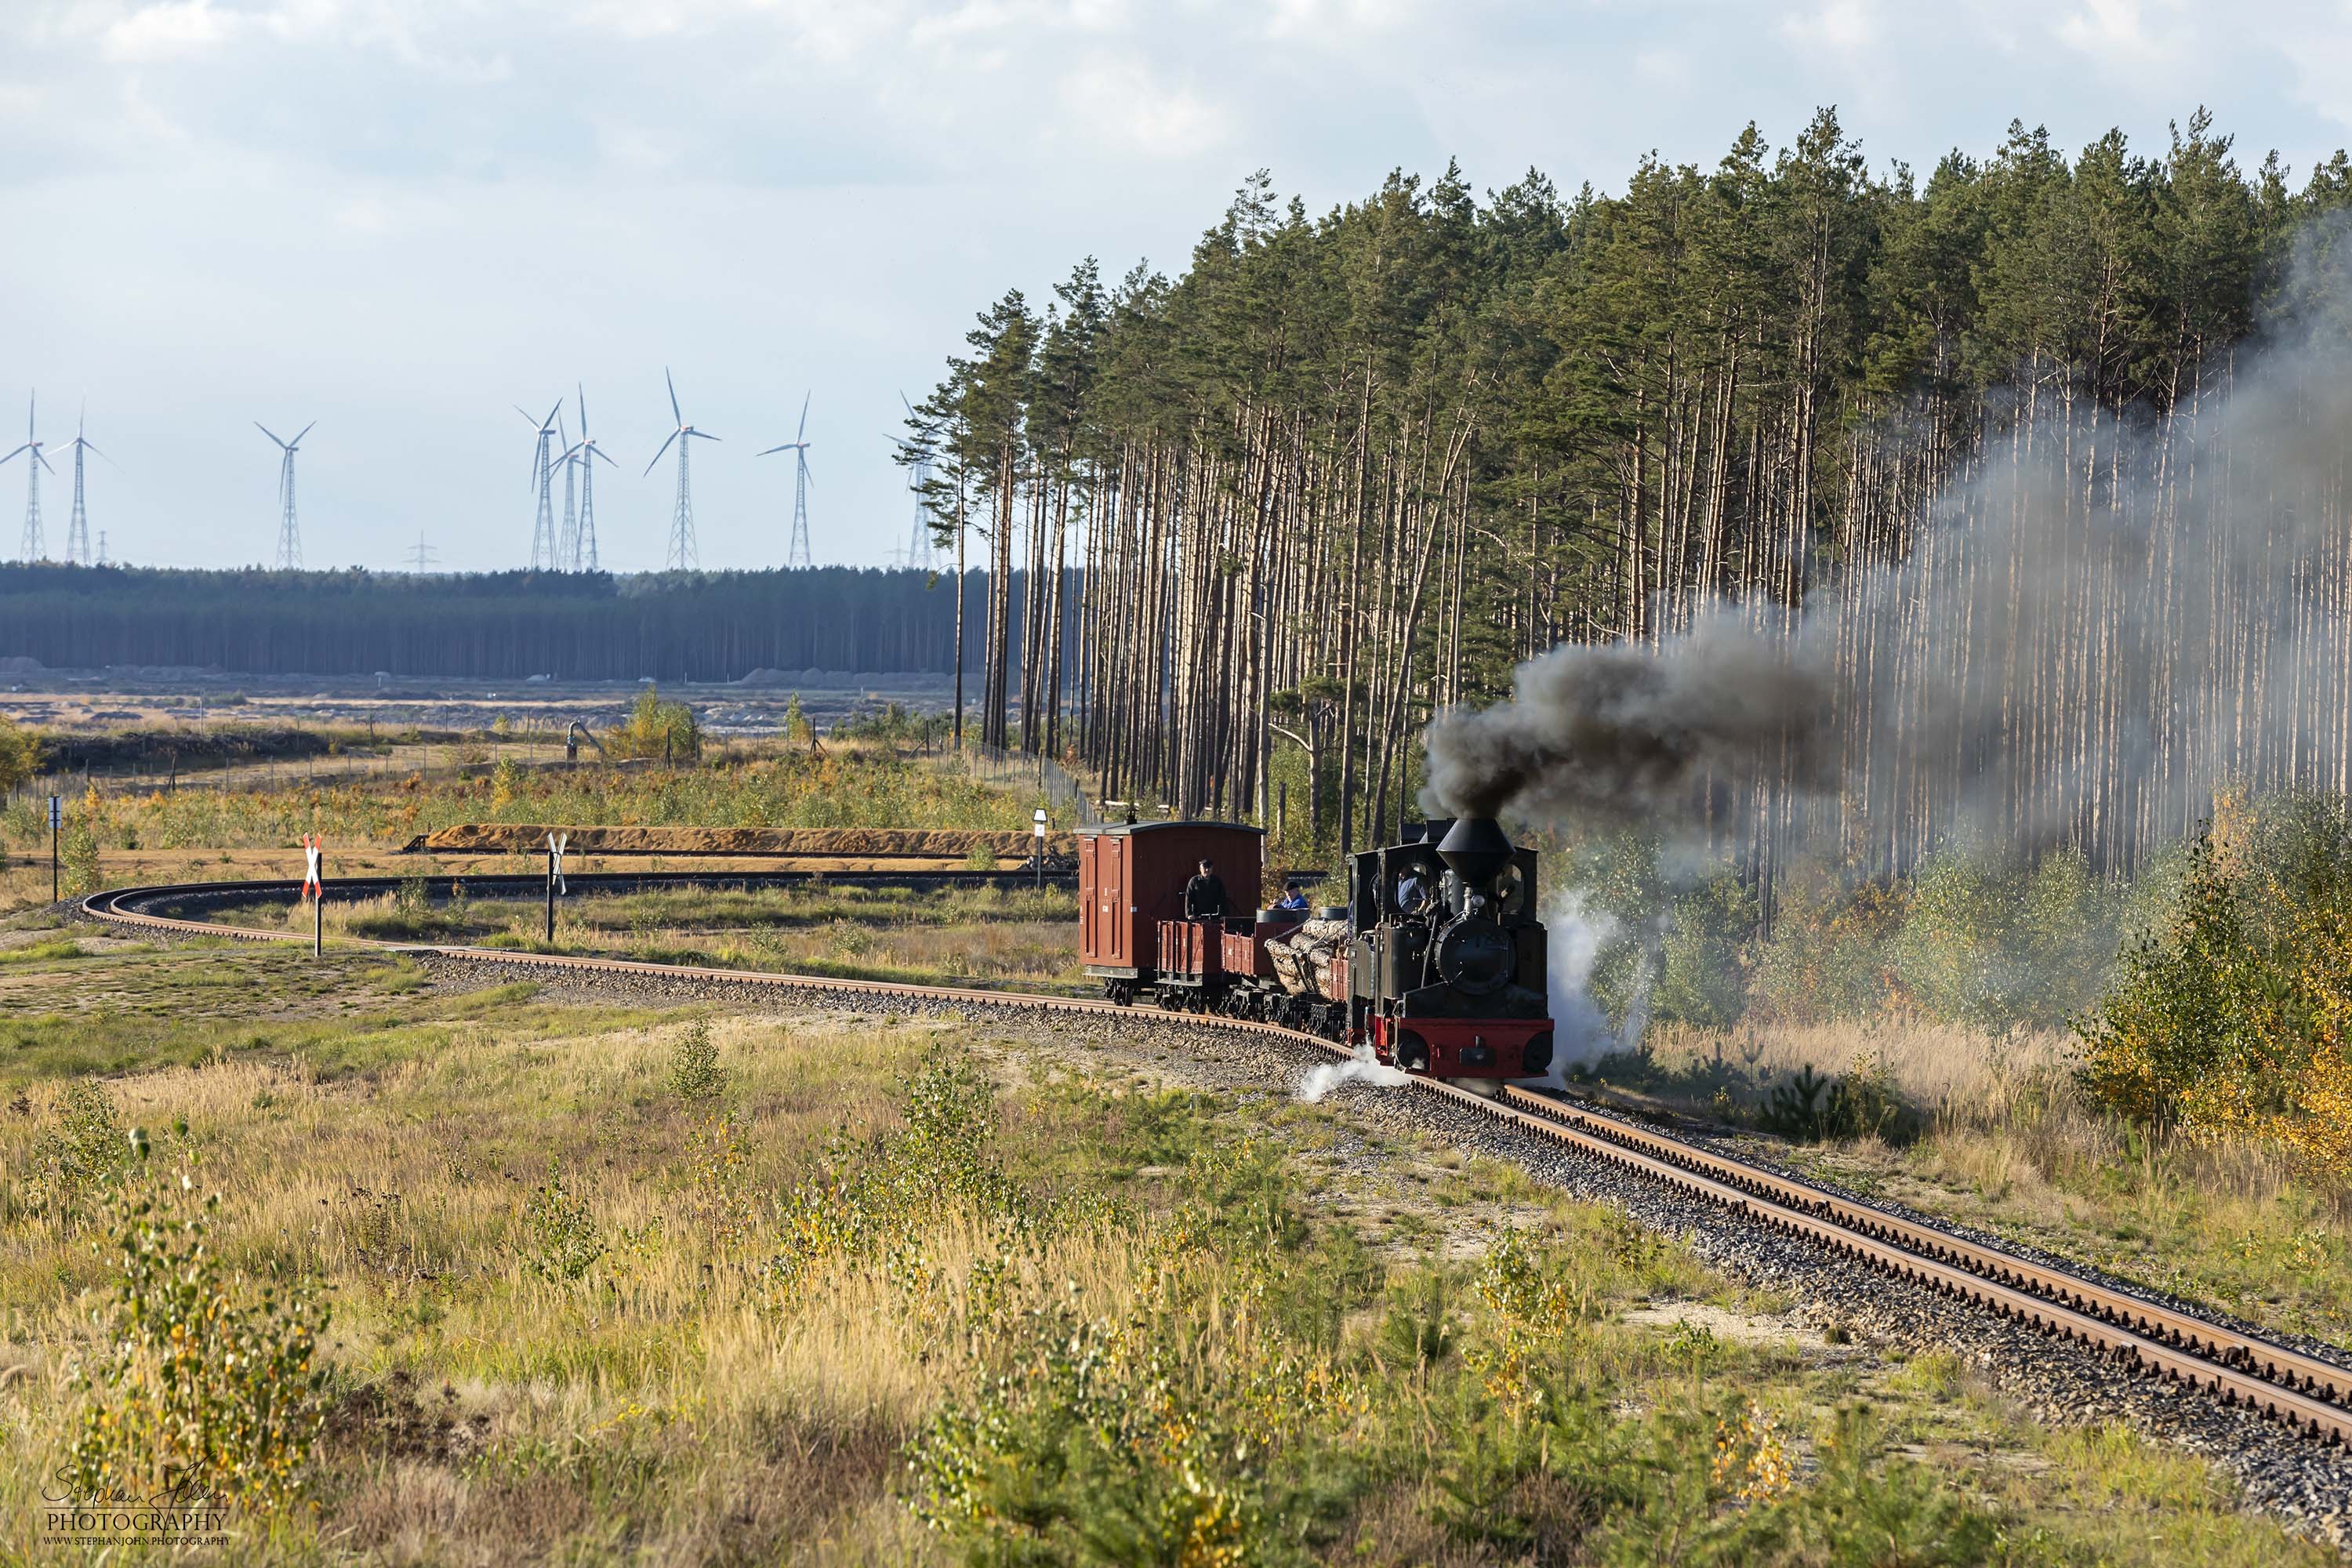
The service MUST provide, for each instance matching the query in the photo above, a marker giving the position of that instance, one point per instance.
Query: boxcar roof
(1125, 827)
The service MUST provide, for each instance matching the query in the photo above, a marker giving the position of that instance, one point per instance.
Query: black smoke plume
(1618, 733)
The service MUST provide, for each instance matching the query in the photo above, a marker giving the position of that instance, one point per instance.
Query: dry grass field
(665, 1286)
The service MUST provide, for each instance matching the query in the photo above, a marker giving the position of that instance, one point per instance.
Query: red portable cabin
(1131, 877)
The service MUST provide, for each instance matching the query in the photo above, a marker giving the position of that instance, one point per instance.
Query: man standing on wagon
(1204, 895)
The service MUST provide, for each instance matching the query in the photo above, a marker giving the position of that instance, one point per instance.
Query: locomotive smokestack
(1475, 848)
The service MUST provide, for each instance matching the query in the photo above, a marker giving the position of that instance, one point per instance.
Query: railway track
(2309, 1394)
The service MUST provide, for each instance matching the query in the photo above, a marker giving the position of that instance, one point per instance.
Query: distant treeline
(716, 625)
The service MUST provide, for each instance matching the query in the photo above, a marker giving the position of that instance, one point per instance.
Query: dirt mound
(861, 843)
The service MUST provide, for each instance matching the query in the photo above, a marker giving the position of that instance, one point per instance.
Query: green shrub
(20, 754)
(1995, 945)
(1812, 1108)
(1704, 954)
(694, 1069)
(1826, 957)
(561, 1241)
(77, 855)
(2231, 1015)
(85, 1150)
(657, 728)
(201, 1395)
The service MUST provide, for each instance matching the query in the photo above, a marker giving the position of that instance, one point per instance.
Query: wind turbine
(918, 478)
(567, 548)
(683, 556)
(583, 537)
(543, 477)
(798, 554)
(35, 547)
(289, 537)
(77, 532)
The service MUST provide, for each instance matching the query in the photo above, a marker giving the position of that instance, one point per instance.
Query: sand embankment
(876, 844)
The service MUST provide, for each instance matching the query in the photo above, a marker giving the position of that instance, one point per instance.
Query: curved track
(2309, 1394)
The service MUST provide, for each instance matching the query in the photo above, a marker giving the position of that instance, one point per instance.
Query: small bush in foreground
(694, 1069)
(560, 1238)
(86, 1148)
(200, 1396)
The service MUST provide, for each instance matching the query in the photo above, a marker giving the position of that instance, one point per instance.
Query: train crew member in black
(1204, 895)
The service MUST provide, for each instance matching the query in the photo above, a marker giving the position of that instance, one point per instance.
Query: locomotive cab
(1448, 969)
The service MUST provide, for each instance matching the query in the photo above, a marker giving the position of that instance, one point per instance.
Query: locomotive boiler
(1436, 962)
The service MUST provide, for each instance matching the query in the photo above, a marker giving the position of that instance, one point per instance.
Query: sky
(399, 219)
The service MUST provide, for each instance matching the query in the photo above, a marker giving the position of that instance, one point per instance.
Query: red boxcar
(1131, 877)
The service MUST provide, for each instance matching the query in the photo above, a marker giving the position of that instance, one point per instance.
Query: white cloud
(2109, 28)
(1844, 27)
(1119, 97)
(177, 29)
(1339, 22)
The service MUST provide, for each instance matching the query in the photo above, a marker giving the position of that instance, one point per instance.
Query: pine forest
(2033, 455)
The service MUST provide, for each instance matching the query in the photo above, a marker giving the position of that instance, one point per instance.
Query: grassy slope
(1247, 1267)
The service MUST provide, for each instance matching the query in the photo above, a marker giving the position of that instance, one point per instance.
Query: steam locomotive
(1436, 962)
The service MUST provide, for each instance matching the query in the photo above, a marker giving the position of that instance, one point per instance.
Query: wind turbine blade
(909, 407)
(657, 456)
(673, 395)
(802, 434)
(551, 413)
(519, 408)
(304, 431)
(786, 448)
(583, 391)
(43, 461)
(11, 457)
(704, 434)
(598, 451)
(267, 431)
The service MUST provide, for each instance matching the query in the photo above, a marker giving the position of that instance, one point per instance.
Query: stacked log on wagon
(1308, 961)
